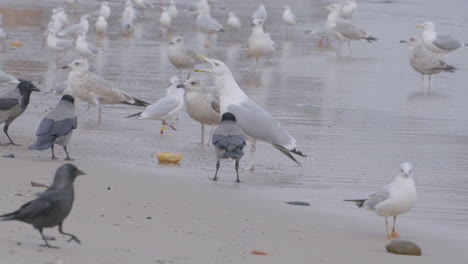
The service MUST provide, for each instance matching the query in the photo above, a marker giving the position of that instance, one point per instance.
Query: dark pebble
(8, 155)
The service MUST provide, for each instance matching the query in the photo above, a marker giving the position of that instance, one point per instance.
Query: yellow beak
(420, 26)
(203, 57)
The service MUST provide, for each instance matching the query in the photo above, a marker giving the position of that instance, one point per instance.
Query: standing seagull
(342, 29)
(13, 103)
(229, 142)
(57, 127)
(424, 61)
(393, 199)
(438, 43)
(94, 89)
(180, 56)
(260, 13)
(289, 19)
(255, 121)
(207, 24)
(53, 206)
(166, 107)
(233, 23)
(165, 20)
(202, 104)
(348, 9)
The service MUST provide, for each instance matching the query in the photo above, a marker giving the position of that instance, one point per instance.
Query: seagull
(424, 61)
(348, 9)
(83, 26)
(180, 56)
(344, 30)
(438, 43)
(94, 89)
(256, 122)
(165, 20)
(207, 24)
(393, 199)
(83, 47)
(229, 142)
(101, 25)
(289, 18)
(260, 43)
(166, 107)
(173, 9)
(201, 103)
(233, 22)
(260, 13)
(60, 46)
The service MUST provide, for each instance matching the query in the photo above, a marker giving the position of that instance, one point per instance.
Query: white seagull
(165, 108)
(393, 199)
(436, 42)
(256, 122)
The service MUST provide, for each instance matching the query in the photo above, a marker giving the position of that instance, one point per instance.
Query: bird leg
(202, 134)
(5, 129)
(237, 170)
(394, 233)
(429, 87)
(216, 173)
(68, 157)
(422, 82)
(252, 156)
(349, 48)
(53, 155)
(386, 228)
(320, 43)
(45, 240)
(163, 126)
(87, 109)
(72, 237)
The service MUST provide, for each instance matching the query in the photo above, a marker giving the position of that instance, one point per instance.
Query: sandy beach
(359, 117)
(127, 215)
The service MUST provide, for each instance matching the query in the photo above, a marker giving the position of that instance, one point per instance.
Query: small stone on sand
(8, 155)
(403, 247)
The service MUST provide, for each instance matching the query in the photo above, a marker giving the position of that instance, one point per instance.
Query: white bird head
(79, 65)
(216, 67)
(177, 41)
(174, 80)
(231, 14)
(333, 8)
(428, 25)
(286, 7)
(405, 169)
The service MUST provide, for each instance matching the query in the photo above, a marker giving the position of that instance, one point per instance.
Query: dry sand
(148, 215)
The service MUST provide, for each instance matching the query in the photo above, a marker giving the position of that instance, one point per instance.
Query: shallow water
(358, 116)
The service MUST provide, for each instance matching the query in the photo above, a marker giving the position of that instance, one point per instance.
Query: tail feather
(370, 39)
(286, 152)
(136, 102)
(359, 202)
(134, 115)
(43, 142)
(9, 216)
(449, 68)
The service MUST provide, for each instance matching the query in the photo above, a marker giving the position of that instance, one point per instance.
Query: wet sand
(358, 116)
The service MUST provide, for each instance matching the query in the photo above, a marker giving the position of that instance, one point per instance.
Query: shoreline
(133, 213)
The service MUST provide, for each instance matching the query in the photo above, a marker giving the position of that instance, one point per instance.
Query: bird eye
(193, 83)
(76, 63)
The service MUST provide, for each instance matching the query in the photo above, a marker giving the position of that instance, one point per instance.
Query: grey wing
(7, 103)
(375, 198)
(162, 107)
(63, 127)
(4, 77)
(208, 23)
(257, 123)
(41, 206)
(45, 126)
(446, 42)
(349, 30)
(193, 54)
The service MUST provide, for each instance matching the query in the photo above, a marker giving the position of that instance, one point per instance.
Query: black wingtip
(134, 115)
(370, 39)
(359, 202)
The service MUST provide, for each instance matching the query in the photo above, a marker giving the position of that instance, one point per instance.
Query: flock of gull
(225, 105)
